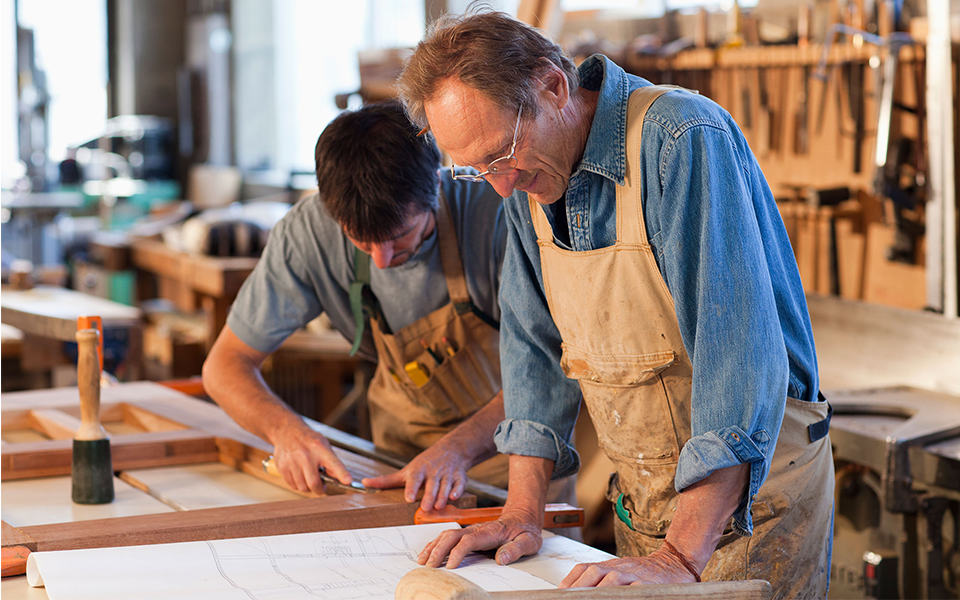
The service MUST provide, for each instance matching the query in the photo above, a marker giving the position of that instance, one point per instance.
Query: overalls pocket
(627, 402)
(459, 386)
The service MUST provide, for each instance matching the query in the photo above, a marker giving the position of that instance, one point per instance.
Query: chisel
(92, 470)
(555, 515)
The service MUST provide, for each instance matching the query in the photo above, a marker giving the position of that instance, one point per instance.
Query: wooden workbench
(51, 313)
(191, 281)
(185, 470)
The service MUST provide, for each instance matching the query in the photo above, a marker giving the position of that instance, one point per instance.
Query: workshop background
(148, 146)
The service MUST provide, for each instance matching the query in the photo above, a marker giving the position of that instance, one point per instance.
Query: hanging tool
(92, 470)
(270, 468)
(555, 515)
(801, 141)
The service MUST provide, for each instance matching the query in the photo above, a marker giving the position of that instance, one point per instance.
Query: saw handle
(88, 383)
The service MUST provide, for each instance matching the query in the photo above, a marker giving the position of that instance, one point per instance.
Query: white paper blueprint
(335, 565)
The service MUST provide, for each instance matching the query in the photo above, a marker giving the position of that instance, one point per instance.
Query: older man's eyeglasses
(500, 166)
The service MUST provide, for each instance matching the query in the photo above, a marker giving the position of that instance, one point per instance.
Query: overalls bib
(406, 418)
(621, 340)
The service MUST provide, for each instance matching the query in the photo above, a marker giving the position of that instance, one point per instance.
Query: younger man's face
(403, 245)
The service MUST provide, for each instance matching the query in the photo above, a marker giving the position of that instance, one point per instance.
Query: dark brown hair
(488, 51)
(373, 172)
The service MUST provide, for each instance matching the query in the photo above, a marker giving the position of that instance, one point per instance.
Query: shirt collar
(604, 153)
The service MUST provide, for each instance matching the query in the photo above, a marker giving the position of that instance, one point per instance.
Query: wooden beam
(148, 421)
(55, 424)
(440, 584)
(52, 312)
(15, 537)
(330, 513)
(49, 458)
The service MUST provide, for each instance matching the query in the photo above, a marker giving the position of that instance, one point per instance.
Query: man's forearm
(703, 511)
(527, 491)
(474, 437)
(237, 386)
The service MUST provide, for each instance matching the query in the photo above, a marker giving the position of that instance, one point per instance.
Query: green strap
(623, 513)
(361, 272)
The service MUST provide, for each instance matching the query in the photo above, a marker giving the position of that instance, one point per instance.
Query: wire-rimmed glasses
(500, 166)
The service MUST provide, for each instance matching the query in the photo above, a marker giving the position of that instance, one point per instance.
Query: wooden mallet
(425, 583)
(92, 473)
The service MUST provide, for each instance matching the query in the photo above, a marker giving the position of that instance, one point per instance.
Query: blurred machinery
(897, 519)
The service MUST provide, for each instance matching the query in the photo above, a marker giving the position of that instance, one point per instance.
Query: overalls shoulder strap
(630, 225)
(453, 265)
(452, 273)
(361, 280)
(450, 254)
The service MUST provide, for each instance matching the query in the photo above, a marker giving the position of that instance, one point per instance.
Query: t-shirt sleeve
(277, 298)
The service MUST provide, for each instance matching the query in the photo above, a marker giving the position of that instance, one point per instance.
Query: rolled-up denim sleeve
(711, 253)
(540, 403)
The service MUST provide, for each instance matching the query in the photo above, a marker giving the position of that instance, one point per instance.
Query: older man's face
(474, 131)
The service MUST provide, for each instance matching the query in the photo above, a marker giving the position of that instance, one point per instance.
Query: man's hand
(516, 532)
(232, 377)
(515, 535)
(442, 468)
(441, 471)
(659, 567)
(298, 455)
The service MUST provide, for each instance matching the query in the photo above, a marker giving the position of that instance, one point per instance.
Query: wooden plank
(14, 537)
(905, 347)
(52, 312)
(206, 485)
(44, 459)
(149, 421)
(33, 502)
(891, 283)
(15, 419)
(441, 584)
(55, 424)
(210, 275)
(330, 513)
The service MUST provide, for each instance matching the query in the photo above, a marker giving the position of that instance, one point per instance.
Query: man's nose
(382, 254)
(504, 183)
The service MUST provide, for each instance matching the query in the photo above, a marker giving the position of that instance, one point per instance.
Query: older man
(648, 269)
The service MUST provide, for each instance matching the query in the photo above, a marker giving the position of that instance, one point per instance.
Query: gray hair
(490, 52)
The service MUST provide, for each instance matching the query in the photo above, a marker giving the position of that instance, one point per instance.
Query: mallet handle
(88, 382)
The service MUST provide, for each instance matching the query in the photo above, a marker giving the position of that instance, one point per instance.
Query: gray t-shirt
(308, 265)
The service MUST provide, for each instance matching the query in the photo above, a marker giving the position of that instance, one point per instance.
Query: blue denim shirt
(722, 249)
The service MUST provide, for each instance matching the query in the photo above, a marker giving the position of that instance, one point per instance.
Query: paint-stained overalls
(622, 341)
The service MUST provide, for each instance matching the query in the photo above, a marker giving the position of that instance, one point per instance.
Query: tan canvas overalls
(622, 341)
(406, 418)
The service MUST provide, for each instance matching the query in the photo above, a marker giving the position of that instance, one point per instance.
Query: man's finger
(334, 467)
(573, 576)
(429, 494)
(413, 486)
(522, 545)
(615, 578)
(478, 537)
(590, 576)
(311, 477)
(447, 541)
(442, 492)
(457, 489)
(393, 480)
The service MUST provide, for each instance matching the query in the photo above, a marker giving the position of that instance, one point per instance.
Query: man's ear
(554, 85)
